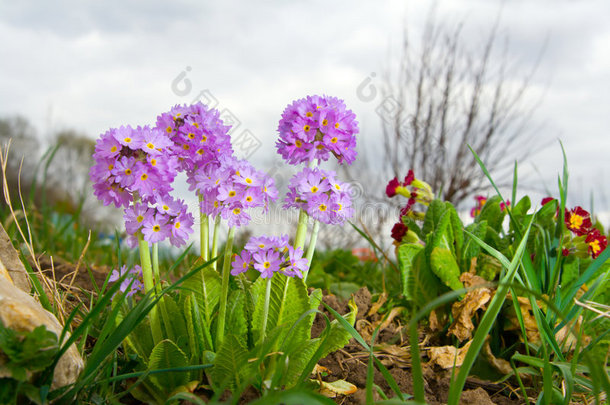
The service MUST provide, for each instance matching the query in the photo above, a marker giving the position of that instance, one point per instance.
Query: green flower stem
(215, 240)
(224, 291)
(266, 310)
(312, 245)
(162, 305)
(204, 233)
(299, 239)
(149, 285)
(155, 267)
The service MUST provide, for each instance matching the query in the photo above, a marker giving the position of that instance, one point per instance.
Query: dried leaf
(318, 369)
(501, 365)
(393, 313)
(464, 310)
(336, 388)
(448, 356)
(568, 335)
(433, 321)
(377, 305)
(472, 280)
(529, 321)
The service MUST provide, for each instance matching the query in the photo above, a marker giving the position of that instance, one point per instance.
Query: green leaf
(492, 213)
(288, 300)
(471, 247)
(27, 351)
(406, 254)
(421, 283)
(206, 285)
(230, 363)
(195, 336)
(443, 264)
(237, 323)
(457, 229)
(167, 355)
(433, 216)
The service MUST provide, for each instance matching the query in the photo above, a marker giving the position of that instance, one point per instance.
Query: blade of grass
(488, 320)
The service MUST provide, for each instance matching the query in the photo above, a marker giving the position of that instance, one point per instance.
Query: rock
(10, 264)
(19, 311)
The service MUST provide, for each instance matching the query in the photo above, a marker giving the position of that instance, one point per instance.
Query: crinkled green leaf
(230, 363)
(167, 355)
(206, 285)
(443, 264)
(471, 247)
(406, 260)
(237, 323)
(287, 302)
(435, 211)
(492, 213)
(421, 284)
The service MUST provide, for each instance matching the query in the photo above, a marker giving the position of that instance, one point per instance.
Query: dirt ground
(351, 362)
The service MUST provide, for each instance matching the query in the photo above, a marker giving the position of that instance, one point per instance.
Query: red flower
(399, 231)
(578, 221)
(390, 189)
(476, 210)
(546, 200)
(597, 242)
(504, 205)
(409, 178)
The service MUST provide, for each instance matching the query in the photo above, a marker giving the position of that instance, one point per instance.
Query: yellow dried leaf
(448, 356)
(464, 310)
(336, 388)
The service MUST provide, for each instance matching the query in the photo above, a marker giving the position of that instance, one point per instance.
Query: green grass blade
(487, 321)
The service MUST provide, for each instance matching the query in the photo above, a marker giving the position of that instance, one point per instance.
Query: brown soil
(351, 363)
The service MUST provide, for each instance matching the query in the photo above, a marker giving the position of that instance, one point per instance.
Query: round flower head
(578, 220)
(198, 135)
(232, 187)
(316, 127)
(132, 161)
(321, 195)
(269, 255)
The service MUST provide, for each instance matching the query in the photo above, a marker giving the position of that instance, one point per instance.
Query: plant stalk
(149, 285)
(266, 310)
(204, 232)
(312, 246)
(215, 240)
(224, 291)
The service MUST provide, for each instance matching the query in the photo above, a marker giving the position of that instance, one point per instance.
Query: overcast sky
(92, 65)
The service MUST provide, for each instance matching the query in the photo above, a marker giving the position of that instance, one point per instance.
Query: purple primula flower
(271, 254)
(132, 282)
(156, 228)
(316, 127)
(297, 264)
(267, 262)
(181, 228)
(266, 242)
(134, 217)
(241, 263)
(321, 195)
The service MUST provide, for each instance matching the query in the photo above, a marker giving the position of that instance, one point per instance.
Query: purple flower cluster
(321, 195)
(135, 168)
(133, 278)
(269, 255)
(198, 135)
(315, 127)
(167, 219)
(232, 187)
(132, 161)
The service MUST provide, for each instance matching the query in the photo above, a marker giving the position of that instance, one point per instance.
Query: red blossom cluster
(416, 191)
(578, 221)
